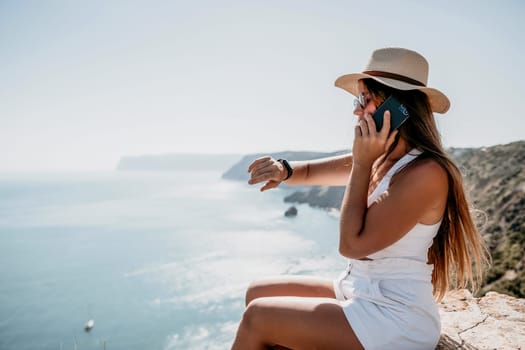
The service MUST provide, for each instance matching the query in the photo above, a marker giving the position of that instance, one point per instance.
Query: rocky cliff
(495, 182)
(494, 321)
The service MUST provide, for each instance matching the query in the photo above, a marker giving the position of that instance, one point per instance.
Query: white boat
(89, 325)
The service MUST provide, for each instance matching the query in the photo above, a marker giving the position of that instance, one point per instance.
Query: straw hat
(400, 69)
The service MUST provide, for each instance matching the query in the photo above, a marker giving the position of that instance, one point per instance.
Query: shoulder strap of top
(385, 181)
(407, 158)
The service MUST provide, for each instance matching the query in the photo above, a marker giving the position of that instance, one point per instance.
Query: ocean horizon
(159, 260)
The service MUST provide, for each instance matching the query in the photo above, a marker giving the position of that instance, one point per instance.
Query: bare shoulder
(423, 184)
(425, 174)
(428, 167)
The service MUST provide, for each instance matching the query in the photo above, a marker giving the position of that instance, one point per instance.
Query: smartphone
(398, 113)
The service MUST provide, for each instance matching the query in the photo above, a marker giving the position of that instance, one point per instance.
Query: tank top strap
(385, 181)
(407, 158)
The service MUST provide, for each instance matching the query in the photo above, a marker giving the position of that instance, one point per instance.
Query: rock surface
(494, 321)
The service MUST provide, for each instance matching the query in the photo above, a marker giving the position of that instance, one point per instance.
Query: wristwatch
(288, 168)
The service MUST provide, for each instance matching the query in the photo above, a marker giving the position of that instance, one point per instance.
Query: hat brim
(439, 102)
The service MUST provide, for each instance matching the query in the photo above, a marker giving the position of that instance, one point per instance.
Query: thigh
(300, 323)
(300, 286)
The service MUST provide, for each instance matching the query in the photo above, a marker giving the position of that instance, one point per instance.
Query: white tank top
(416, 242)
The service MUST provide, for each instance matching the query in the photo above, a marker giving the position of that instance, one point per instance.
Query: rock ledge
(494, 321)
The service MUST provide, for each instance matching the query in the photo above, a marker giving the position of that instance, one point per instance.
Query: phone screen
(398, 113)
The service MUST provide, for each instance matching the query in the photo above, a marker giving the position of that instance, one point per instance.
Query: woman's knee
(255, 290)
(251, 317)
(248, 335)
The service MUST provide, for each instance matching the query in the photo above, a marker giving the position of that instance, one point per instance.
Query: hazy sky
(85, 82)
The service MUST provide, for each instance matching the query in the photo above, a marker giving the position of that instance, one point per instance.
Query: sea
(157, 259)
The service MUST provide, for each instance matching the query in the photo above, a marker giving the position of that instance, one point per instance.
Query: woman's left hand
(369, 144)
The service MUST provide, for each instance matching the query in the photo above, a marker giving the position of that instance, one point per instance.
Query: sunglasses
(361, 101)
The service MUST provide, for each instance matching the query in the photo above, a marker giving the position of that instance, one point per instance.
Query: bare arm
(419, 195)
(330, 171)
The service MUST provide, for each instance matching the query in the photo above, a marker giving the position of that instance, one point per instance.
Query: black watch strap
(288, 167)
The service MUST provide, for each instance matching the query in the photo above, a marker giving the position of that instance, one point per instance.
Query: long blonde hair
(458, 252)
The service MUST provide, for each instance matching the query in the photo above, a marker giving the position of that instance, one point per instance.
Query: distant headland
(177, 162)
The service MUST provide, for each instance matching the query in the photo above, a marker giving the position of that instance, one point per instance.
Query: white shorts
(389, 303)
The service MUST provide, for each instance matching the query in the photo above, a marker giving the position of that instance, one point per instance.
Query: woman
(405, 226)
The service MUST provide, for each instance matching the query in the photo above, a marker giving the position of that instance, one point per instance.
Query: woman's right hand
(266, 169)
(370, 144)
